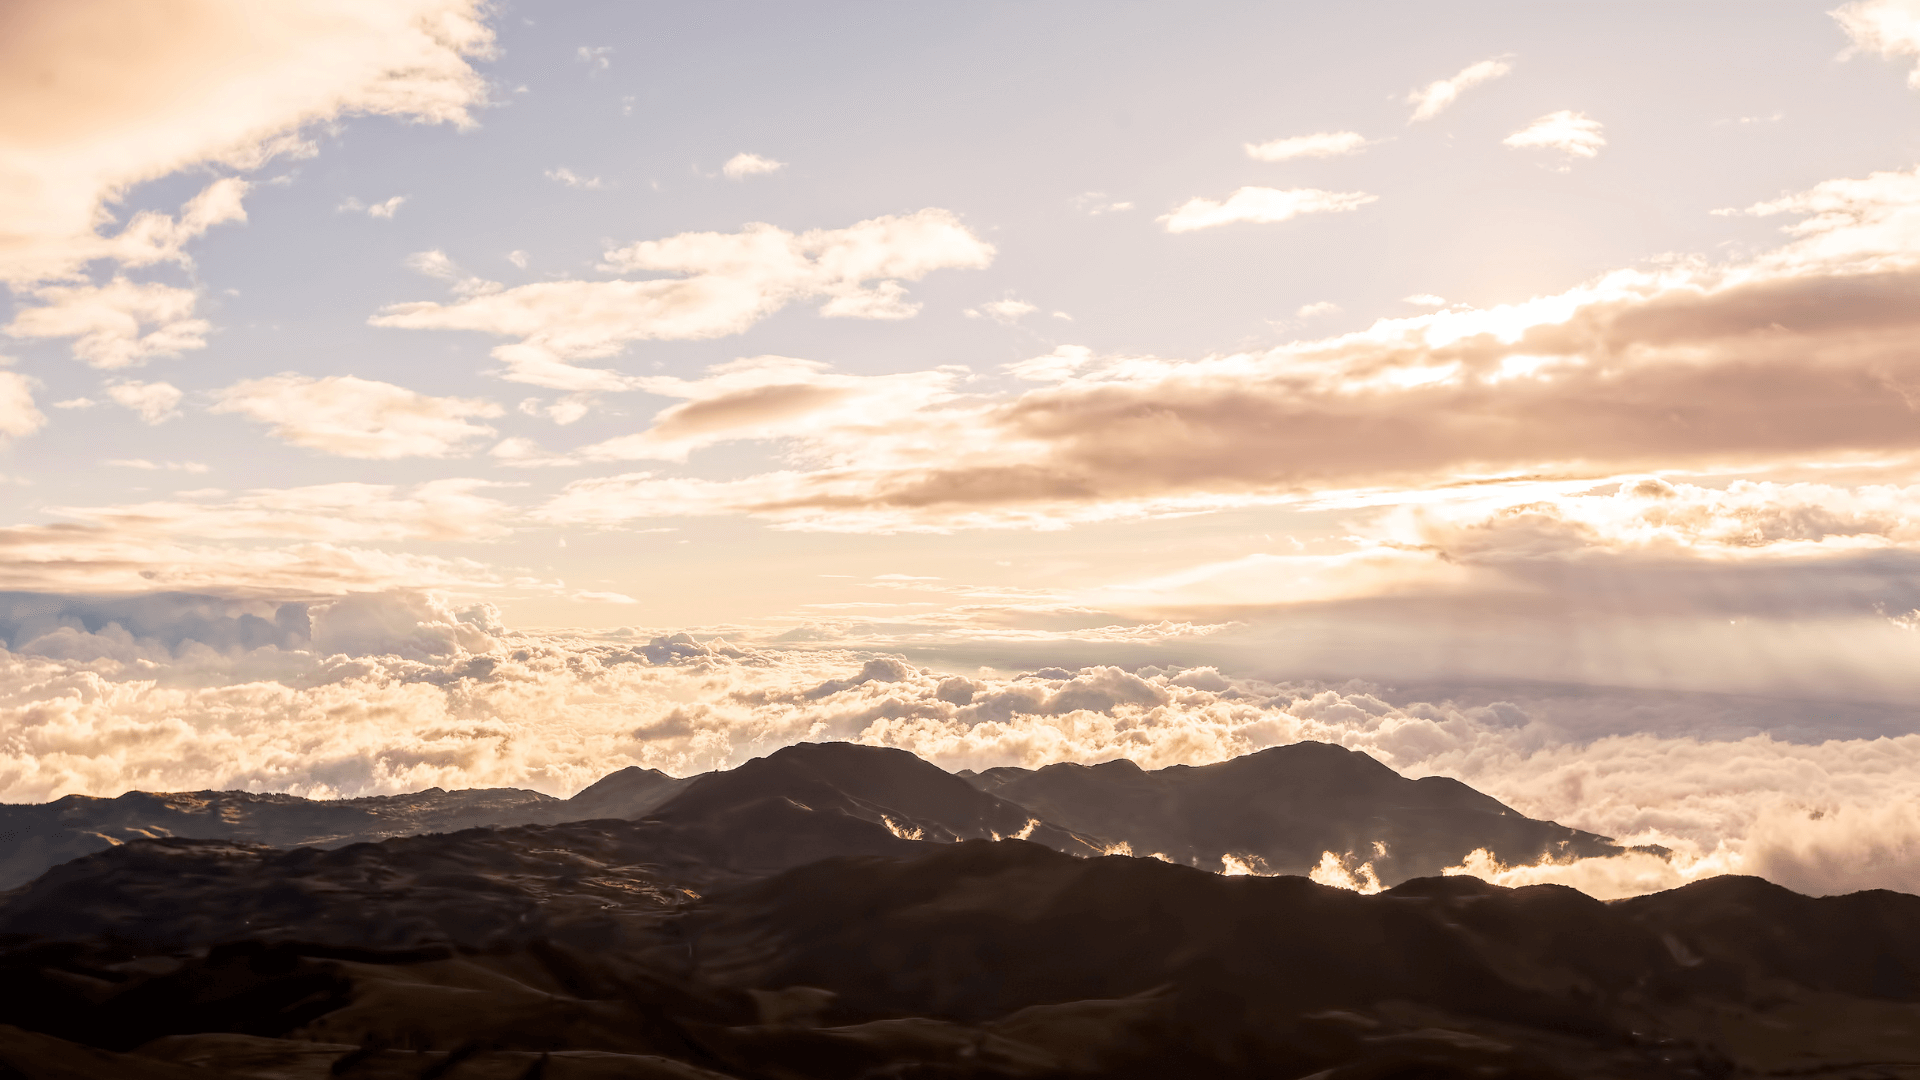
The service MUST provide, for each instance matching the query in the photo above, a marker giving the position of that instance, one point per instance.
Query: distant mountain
(34, 837)
(1281, 808)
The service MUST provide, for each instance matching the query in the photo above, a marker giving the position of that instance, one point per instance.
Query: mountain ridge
(1279, 810)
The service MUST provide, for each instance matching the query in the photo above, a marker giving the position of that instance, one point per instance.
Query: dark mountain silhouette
(1286, 806)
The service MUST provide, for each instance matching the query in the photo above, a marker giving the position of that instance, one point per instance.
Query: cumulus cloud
(1889, 28)
(18, 417)
(1320, 145)
(1573, 134)
(361, 418)
(156, 402)
(724, 283)
(105, 96)
(116, 325)
(1263, 206)
(741, 166)
(1433, 99)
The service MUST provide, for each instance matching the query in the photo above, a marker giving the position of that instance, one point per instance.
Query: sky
(413, 392)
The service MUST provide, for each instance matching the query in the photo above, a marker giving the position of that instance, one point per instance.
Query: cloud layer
(1798, 355)
(399, 691)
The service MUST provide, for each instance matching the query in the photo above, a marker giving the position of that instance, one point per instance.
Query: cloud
(572, 179)
(1573, 134)
(361, 418)
(386, 209)
(1008, 311)
(446, 510)
(434, 264)
(1321, 145)
(116, 325)
(109, 95)
(1262, 206)
(1425, 300)
(156, 402)
(1437, 96)
(153, 466)
(1889, 28)
(138, 554)
(741, 166)
(725, 283)
(384, 692)
(1324, 307)
(1095, 203)
(776, 397)
(18, 417)
(597, 58)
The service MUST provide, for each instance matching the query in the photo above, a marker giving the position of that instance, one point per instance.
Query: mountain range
(833, 910)
(1278, 810)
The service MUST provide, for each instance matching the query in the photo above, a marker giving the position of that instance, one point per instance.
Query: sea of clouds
(385, 693)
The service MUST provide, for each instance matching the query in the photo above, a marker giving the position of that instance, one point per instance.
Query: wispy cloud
(151, 466)
(1434, 98)
(728, 282)
(361, 418)
(1574, 134)
(1095, 203)
(1008, 311)
(596, 57)
(1322, 145)
(1262, 206)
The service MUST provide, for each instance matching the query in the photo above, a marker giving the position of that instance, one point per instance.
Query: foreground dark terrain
(843, 911)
